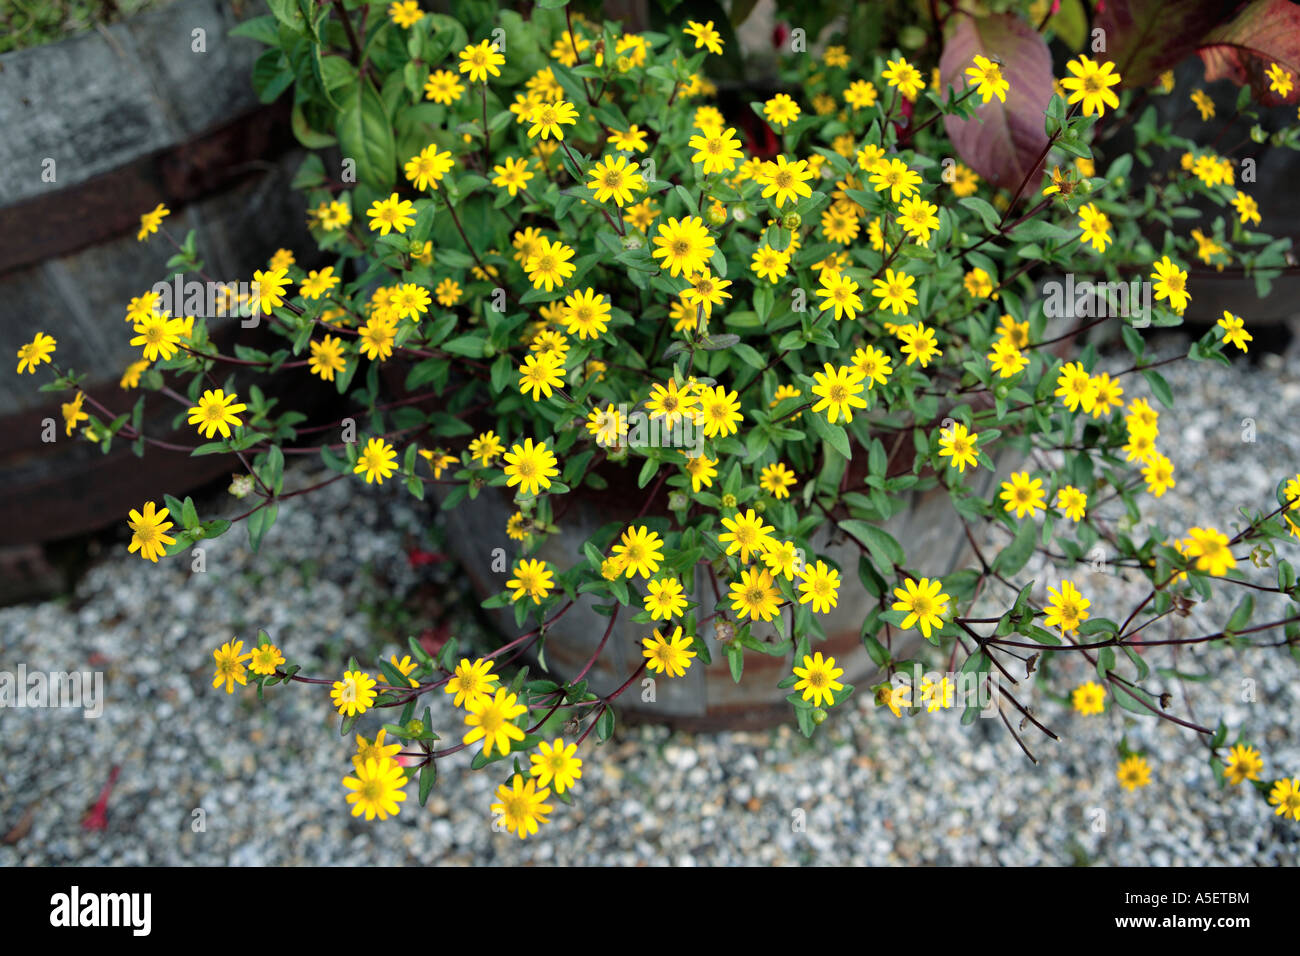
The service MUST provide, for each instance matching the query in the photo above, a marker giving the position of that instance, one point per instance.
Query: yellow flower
(490, 720)
(391, 213)
(547, 118)
(905, 77)
(532, 578)
(861, 94)
(895, 292)
(480, 59)
(1246, 208)
(266, 658)
(377, 462)
(924, 602)
(746, 534)
(131, 377)
(1285, 795)
(817, 679)
(1006, 359)
(639, 551)
(230, 666)
(893, 174)
(919, 344)
(978, 283)
(485, 448)
(669, 656)
(987, 77)
(719, 411)
(685, 245)
(1073, 502)
(705, 291)
(540, 373)
(631, 141)
(614, 177)
(1243, 764)
(426, 169)
(781, 110)
(405, 14)
(1089, 698)
(1171, 284)
(1280, 81)
(1091, 82)
(1210, 548)
(840, 293)
(72, 412)
(558, 763)
(1076, 388)
(1133, 772)
(770, 264)
(783, 180)
(777, 480)
(755, 595)
(447, 292)
(665, 599)
(1023, 495)
(918, 218)
(959, 445)
(717, 151)
(443, 87)
(1203, 103)
(550, 265)
(471, 682)
(702, 471)
(215, 412)
(839, 390)
(704, 35)
(375, 750)
(521, 806)
(151, 220)
(354, 694)
(148, 532)
(530, 466)
(1095, 225)
(1158, 473)
(820, 586)
(1067, 608)
(874, 365)
(377, 337)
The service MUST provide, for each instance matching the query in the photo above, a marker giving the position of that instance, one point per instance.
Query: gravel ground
(872, 789)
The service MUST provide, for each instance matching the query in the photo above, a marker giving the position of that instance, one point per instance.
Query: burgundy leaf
(1146, 37)
(1003, 140)
(1266, 32)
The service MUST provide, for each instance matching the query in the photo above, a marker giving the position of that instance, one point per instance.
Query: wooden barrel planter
(98, 129)
(706, 698)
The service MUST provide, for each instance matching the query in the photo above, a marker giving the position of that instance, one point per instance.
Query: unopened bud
(791, 221)
(818, 716)
(415, 727)
(724, 631)
(677, 500)
(241, 485)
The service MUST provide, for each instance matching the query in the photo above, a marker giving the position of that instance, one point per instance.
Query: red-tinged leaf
(1266, 32)
(1146, 37)
(1003, 140)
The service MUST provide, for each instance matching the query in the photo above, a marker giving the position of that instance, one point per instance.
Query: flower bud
(415, 727)
(677, 501)
(791, 221)
(818, 717)
(241, 486)
(724, 631)
(717, 214)
(632, 241)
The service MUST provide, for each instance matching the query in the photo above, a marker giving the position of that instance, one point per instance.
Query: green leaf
(1016, 554)
(259, 522)
(886, 551)
(365, 135)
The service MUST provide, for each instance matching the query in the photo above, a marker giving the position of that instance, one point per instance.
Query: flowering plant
(575, 267)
